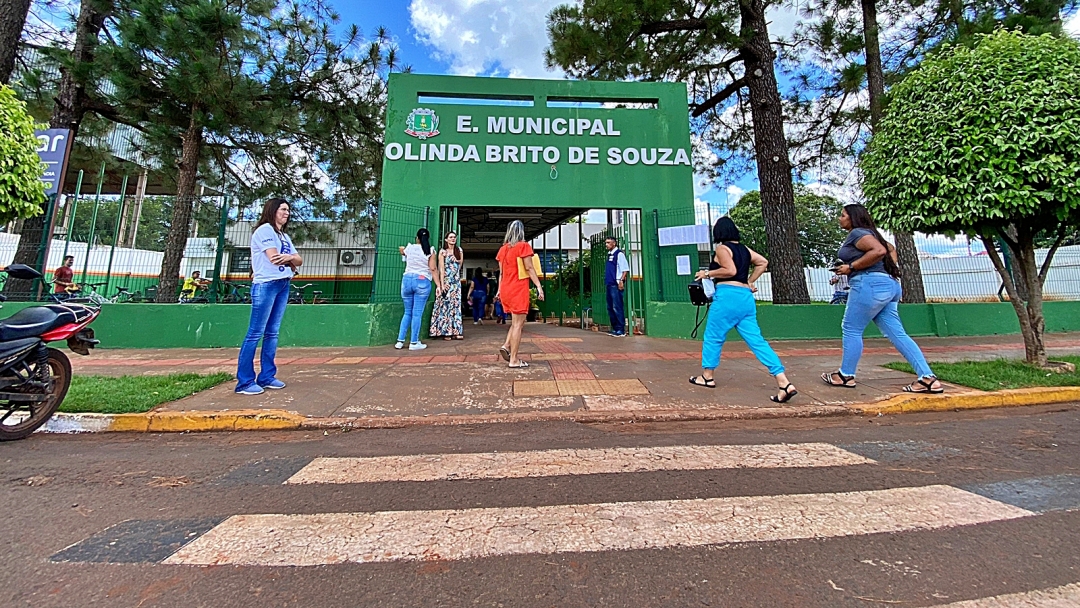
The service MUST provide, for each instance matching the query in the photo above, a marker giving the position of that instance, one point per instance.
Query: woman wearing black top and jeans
(733, 306)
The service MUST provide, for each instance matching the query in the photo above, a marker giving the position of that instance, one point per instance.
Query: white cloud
(782, 19)
(486, 37)
(734, 193)
(1072, 26)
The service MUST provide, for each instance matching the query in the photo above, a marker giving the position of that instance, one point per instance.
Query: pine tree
(719, 49)
(257, 89)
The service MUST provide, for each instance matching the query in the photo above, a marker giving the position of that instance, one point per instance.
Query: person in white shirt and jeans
(273, 262)
(415, 288)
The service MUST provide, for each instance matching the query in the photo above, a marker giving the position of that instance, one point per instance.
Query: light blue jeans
(734, 307)
(268, 302)
(873, 297)
(414, 294)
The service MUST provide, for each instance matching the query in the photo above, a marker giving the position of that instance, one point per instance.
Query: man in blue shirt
(616, 271)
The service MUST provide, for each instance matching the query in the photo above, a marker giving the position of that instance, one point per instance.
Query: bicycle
(297, 297)
(233, 294)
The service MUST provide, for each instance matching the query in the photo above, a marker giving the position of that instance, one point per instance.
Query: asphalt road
(921, 510)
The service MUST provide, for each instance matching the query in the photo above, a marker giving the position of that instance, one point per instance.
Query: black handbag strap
(698, 319)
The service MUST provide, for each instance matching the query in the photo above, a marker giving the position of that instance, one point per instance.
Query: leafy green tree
(256, 89)
(983, 140)
(66, 104)
(820, 234)
(719, 49)
(21, 188)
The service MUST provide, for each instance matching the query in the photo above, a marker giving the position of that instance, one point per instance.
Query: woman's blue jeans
(873, 297)
(414, 294)
(733, 307)
(478, 308)
(268, 302)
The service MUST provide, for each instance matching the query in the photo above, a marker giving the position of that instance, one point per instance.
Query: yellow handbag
(524, 274)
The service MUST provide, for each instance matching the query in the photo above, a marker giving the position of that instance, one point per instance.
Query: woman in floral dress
(446, 316)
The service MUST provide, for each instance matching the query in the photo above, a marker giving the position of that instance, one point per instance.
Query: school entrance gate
(472, 154)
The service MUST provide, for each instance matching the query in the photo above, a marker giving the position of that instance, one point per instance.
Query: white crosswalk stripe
(543, 463)
(1066, 596)
(328, 538)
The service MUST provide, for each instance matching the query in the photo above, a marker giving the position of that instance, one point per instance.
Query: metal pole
(546, 260)
(43, 245)
(558, 279)
(659, 264)
(581, 270)
(220, 249)
(74, 209)
(93, 220)
(116, 235)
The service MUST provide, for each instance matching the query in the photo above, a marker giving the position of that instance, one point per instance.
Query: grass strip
(999, 374)
(133, 394)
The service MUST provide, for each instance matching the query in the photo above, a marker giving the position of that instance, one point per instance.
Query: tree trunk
(911, 273)
(1032, 324)
(68, 111)
(176, 242)
(773, 163)
(12, 19)
(911, 281)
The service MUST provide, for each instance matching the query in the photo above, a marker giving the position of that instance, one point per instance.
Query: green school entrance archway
(472, 154)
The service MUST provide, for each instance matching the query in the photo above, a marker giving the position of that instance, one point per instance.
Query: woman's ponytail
(424, 237)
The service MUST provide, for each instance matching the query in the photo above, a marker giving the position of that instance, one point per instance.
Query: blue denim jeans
(615, 311)
(414, 294)
(478, 303)
(268, 302)
(873, 297)
(733, 307)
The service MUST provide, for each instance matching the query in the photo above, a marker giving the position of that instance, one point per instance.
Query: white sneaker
(417, 346)
(474, 322)
(399, 345)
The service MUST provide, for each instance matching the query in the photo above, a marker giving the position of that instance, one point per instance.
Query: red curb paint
(642, 356)
(284, 361)
(611, 356)
(212, 361)
(674, 356)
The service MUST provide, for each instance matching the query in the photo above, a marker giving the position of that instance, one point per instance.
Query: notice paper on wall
(683, 235)
(682, 264)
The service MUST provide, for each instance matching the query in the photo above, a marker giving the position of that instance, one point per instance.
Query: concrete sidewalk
(571, 371)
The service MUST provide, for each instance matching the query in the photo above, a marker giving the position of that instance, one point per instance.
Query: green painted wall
(411, 185)
(211, 326)
(822, 322)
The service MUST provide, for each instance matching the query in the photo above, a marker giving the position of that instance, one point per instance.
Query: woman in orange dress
(514, 292)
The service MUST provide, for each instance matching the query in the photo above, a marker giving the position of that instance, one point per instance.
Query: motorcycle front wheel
(20, 418)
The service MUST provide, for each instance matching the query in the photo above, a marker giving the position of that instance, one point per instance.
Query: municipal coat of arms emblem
(422, 123)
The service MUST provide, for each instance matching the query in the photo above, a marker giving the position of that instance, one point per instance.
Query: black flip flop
(788, 394)
(845, 381)
(929, 387)
(707, 382)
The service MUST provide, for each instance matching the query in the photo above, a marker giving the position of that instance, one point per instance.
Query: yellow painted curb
(195, 421)
(906, 404)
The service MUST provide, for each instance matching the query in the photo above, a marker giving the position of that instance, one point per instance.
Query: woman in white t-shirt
(415, 288)
(273, 262)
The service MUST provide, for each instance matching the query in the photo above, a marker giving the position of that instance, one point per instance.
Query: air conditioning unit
(351, 257)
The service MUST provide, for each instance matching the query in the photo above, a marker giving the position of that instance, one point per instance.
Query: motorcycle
(34, 378)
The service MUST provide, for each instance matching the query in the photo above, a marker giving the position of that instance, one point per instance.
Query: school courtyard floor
(570, 370)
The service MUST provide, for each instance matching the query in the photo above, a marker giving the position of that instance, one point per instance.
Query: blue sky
(507, 38)
(493, 38)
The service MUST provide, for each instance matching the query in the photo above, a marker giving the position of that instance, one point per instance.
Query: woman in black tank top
(734, 269)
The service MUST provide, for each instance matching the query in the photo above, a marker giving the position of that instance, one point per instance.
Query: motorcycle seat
(28, 323)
